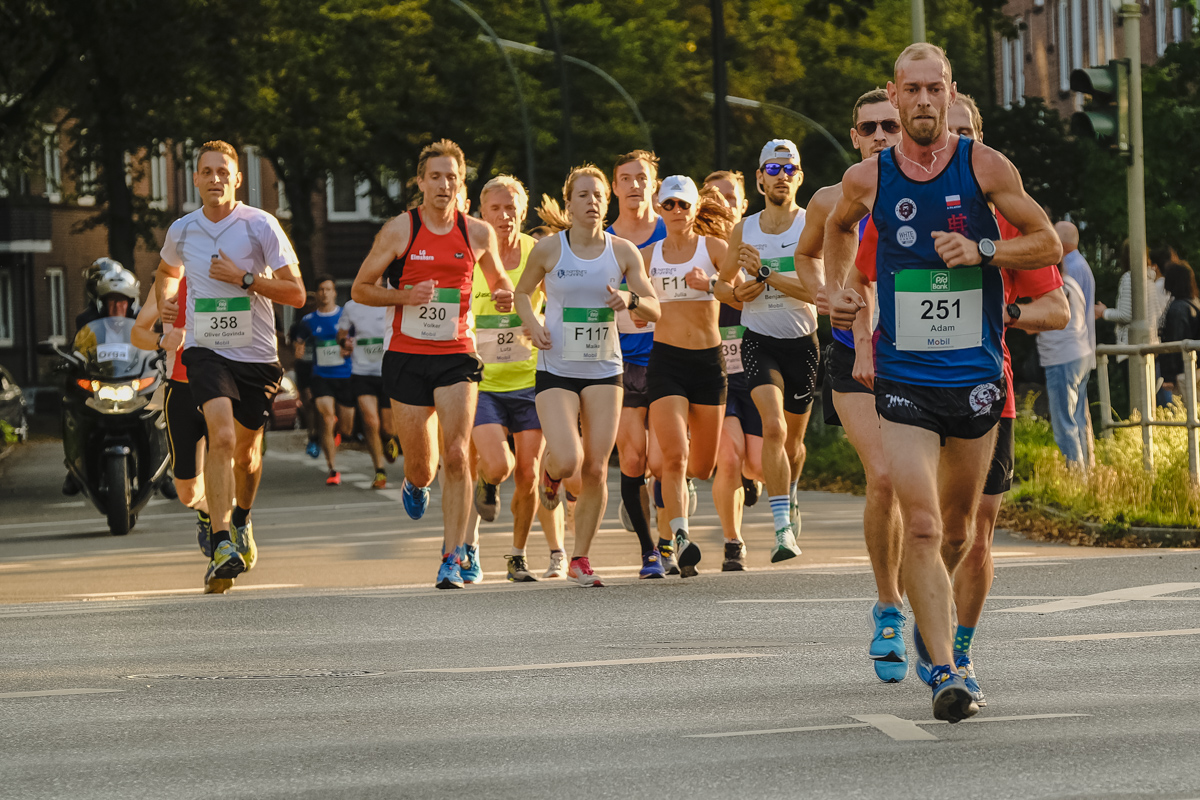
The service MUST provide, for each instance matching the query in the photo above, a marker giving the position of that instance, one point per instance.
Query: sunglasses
(669, 205)
(868, 128)
(774, 169)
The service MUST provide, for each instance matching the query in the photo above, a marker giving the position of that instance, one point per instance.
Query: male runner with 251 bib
(939, 364)
(430, 369)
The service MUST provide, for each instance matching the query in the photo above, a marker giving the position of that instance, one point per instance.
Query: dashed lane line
(1103, 637)
(57, 693)
(614, 662)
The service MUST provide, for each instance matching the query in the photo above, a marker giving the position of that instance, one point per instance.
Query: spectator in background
(1182, 320)
(1069, 355)
(1156, 303)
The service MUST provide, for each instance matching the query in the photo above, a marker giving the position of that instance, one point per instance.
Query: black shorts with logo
(789, 364)
(410, 378)
(185, 429)
(634, 381)
(368, 386)
(1000, 474)
(698, 375)
(250, 385)
(337, 388)
(952, 412)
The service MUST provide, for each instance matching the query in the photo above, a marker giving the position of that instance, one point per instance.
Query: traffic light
(1106, 113)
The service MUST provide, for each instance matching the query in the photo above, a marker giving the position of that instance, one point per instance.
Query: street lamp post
(746, 102)
(918, 20)
(564, 88)
(720, 85)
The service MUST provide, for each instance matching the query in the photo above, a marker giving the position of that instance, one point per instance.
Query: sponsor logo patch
(906, 236)
(983, 397)
(906, 209)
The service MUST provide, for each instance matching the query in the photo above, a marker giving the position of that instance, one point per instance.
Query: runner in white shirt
(361, 330)
(779, 348)
(238, 262)
(579, 364)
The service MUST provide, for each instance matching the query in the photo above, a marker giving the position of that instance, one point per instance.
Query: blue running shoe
(204, 533)
(887, 645)
(226, 564)
(449, 576)
(951, 700)
(468, 564)
(652, 565)
(924, 662)
(312, 449)
(966, 671)
(415, 500)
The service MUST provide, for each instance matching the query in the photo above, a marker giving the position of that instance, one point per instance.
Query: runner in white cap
(686, 376)
(779, 349)
(579, 370)
(361, 330)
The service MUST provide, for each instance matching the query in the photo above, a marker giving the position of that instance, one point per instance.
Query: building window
(283, 210)
(253, 173)
(85, 181)
(1177, 24)
(1006, 72)
(347, 200)
(158, 177)
(8, 325)
(1076, 34)
(1160, 26)
(58, 306)
(1018, 59)
(1110, 48)
(1064, 45)
(1093, 28)
(191, 195)
(52, 165)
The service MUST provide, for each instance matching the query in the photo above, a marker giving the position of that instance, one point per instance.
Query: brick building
(1056, 36)
(44, 248)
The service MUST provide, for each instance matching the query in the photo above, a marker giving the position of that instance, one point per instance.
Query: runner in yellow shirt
(506, 395)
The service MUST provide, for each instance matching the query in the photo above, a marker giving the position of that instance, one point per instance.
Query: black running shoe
(735, 557)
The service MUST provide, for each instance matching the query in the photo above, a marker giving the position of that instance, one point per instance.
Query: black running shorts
(634, 381)
(952, 412)
(250, 385)
(410, 378)
(789, 364)
(698, 375)
(185, 429)
(369, 386)
(338, 388)
(1000, 474)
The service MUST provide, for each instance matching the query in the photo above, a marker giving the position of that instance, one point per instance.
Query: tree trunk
(299, 189)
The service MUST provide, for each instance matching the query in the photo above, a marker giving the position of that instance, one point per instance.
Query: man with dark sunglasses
(851, 403)
(779, 348)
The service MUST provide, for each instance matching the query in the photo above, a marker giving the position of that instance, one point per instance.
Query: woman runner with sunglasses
(686, 376)
(578, 380)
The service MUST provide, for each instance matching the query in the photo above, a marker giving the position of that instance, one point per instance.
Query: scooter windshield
(106, 348)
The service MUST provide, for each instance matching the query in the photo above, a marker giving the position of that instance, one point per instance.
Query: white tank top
(774, 313)
(582, 328)
(669, 280)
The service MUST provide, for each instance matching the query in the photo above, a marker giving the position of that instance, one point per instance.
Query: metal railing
(1141, 359)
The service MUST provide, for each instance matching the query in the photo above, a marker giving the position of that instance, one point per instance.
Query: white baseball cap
(779, 148)
(679, 187)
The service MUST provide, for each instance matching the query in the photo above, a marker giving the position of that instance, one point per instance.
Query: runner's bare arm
(285, 286)
(1046, 312)
(541, 259)
(487, 251)
(810, 268)
(841, 229)
(1038, 244)
(632, 264)
(864, 336)
(166, 281)
(697, 278)
(390, 243)
(142, 335)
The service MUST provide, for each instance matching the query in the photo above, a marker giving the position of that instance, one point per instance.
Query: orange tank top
(179, 371)
(445, 324)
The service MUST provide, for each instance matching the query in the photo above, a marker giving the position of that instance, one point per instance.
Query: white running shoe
(580, 571)
(558, 565)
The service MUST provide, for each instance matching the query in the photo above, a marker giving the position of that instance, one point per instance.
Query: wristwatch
(247, 280)
(1014, 311)
(764, 272)
(633, 301)
(712, 284)
(987, 251)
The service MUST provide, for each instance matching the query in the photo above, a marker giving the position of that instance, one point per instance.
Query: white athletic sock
(679, 524)
(517, 551)
(780, 511)
(795, 487)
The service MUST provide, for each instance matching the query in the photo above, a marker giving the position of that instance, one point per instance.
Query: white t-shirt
(254, 242)
(366, 325)
(1074, 341)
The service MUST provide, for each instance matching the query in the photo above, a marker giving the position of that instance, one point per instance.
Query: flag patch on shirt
(953, 201)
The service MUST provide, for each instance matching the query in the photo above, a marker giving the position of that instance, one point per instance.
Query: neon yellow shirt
(509, 358)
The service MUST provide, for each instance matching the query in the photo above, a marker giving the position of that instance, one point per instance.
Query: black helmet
(92, 275)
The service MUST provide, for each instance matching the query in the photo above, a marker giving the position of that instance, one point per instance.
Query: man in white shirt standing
(238, 262)
(1069, 355)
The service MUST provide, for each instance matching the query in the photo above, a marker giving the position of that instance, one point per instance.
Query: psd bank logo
(940, 282)
(593, 315)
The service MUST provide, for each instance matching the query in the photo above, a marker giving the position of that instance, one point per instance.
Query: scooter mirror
(47, 349)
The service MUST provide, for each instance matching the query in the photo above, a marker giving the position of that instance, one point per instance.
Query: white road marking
(57, 693)
(895, 727)
(153, 592)
(1103, 598)
(1102, 637)
(902, 730)
(873, 599)
(615, 662)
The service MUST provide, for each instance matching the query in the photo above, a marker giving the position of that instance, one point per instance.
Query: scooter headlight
(117, 398)
(114, 392)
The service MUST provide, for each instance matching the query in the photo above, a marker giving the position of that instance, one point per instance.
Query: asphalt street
(352, 677)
